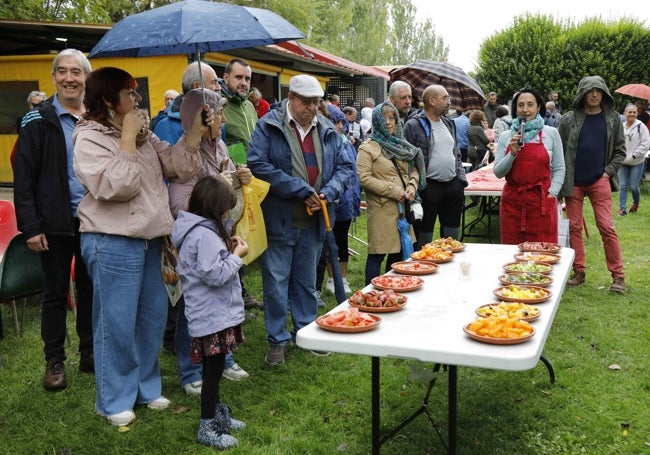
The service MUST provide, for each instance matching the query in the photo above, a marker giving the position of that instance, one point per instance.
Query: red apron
(526, 213)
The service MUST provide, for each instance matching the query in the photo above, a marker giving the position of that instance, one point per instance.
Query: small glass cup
(465, 270)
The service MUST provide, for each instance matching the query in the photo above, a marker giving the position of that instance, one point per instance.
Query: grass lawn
(321, 405)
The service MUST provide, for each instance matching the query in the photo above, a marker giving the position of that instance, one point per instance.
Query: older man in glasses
(302, 156)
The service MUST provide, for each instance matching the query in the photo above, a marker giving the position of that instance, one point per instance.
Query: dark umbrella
(635, 90)
(333, 252)
(464, 91)
(404, 236)
(193, 26)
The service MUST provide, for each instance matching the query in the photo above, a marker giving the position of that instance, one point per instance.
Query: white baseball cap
(306, 86)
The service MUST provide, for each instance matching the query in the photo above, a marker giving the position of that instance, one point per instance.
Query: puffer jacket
(570, 127)
(269, 159)
(209, 274)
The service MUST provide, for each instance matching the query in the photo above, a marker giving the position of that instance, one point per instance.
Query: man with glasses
(169, 127)
(302, 156)
(177, 338)
(443, 198)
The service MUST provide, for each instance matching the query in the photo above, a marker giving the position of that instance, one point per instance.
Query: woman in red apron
(531, 158)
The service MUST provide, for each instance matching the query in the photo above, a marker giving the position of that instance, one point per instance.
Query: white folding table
(430, 326)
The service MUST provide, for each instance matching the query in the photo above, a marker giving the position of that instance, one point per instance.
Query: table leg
(376, 431)
(452, 405)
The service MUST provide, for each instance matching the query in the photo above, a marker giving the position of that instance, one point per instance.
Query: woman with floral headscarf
(377, 164)
(533, 166)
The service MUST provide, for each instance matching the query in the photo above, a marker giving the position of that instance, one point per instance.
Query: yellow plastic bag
(251, 226)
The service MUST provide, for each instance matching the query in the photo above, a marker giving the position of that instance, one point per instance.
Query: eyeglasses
(307, 101)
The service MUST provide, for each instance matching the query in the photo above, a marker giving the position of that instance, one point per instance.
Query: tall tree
(550, 54)
(414, 40)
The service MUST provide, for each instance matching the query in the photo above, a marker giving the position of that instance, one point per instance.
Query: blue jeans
(129, 314)
(289, 280)
(629, 177)
(187, 371)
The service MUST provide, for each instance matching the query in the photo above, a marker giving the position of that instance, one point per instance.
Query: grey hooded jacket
(570, 127)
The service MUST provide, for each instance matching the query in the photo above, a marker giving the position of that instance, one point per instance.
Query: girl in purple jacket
(208, 263)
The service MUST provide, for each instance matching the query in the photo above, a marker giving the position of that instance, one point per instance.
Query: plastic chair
(21, 276)
(8, 226)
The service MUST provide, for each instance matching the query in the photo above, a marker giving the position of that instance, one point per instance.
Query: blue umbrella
(404, 236)
(193, 26)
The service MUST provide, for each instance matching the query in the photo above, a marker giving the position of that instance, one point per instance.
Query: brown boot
(618, 285)
(55, 375)
(577, 279)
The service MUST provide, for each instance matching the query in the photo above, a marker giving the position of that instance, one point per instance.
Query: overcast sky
(465, 24)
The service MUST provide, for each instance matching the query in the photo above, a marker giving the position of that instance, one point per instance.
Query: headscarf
(394, 145)
(531, 129)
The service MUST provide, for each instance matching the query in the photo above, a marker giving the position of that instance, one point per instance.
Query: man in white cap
(302, 156)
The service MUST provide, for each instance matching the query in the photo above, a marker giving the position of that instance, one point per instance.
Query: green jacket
(570, 127)
(241, 118)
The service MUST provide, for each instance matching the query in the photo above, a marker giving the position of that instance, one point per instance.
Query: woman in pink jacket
(124, 215)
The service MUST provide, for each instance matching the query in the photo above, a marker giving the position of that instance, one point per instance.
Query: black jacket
(41, 191)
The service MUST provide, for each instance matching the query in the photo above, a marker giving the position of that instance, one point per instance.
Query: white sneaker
(121, 419)
(346, 286)
(235, 373)
(159, 403)
(193, 388)
(330, 285)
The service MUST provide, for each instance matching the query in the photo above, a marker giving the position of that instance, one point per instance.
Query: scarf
(531, 129)
(141, 138)
(394, 145)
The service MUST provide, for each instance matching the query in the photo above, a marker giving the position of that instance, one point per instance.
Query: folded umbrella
(333, 252)
(404, 236)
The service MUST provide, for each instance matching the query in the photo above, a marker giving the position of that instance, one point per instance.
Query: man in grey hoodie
(594, 149)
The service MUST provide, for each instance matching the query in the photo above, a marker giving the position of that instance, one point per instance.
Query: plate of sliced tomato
(348, 321)
(401, 283)
(377, 301)
(414, 267)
